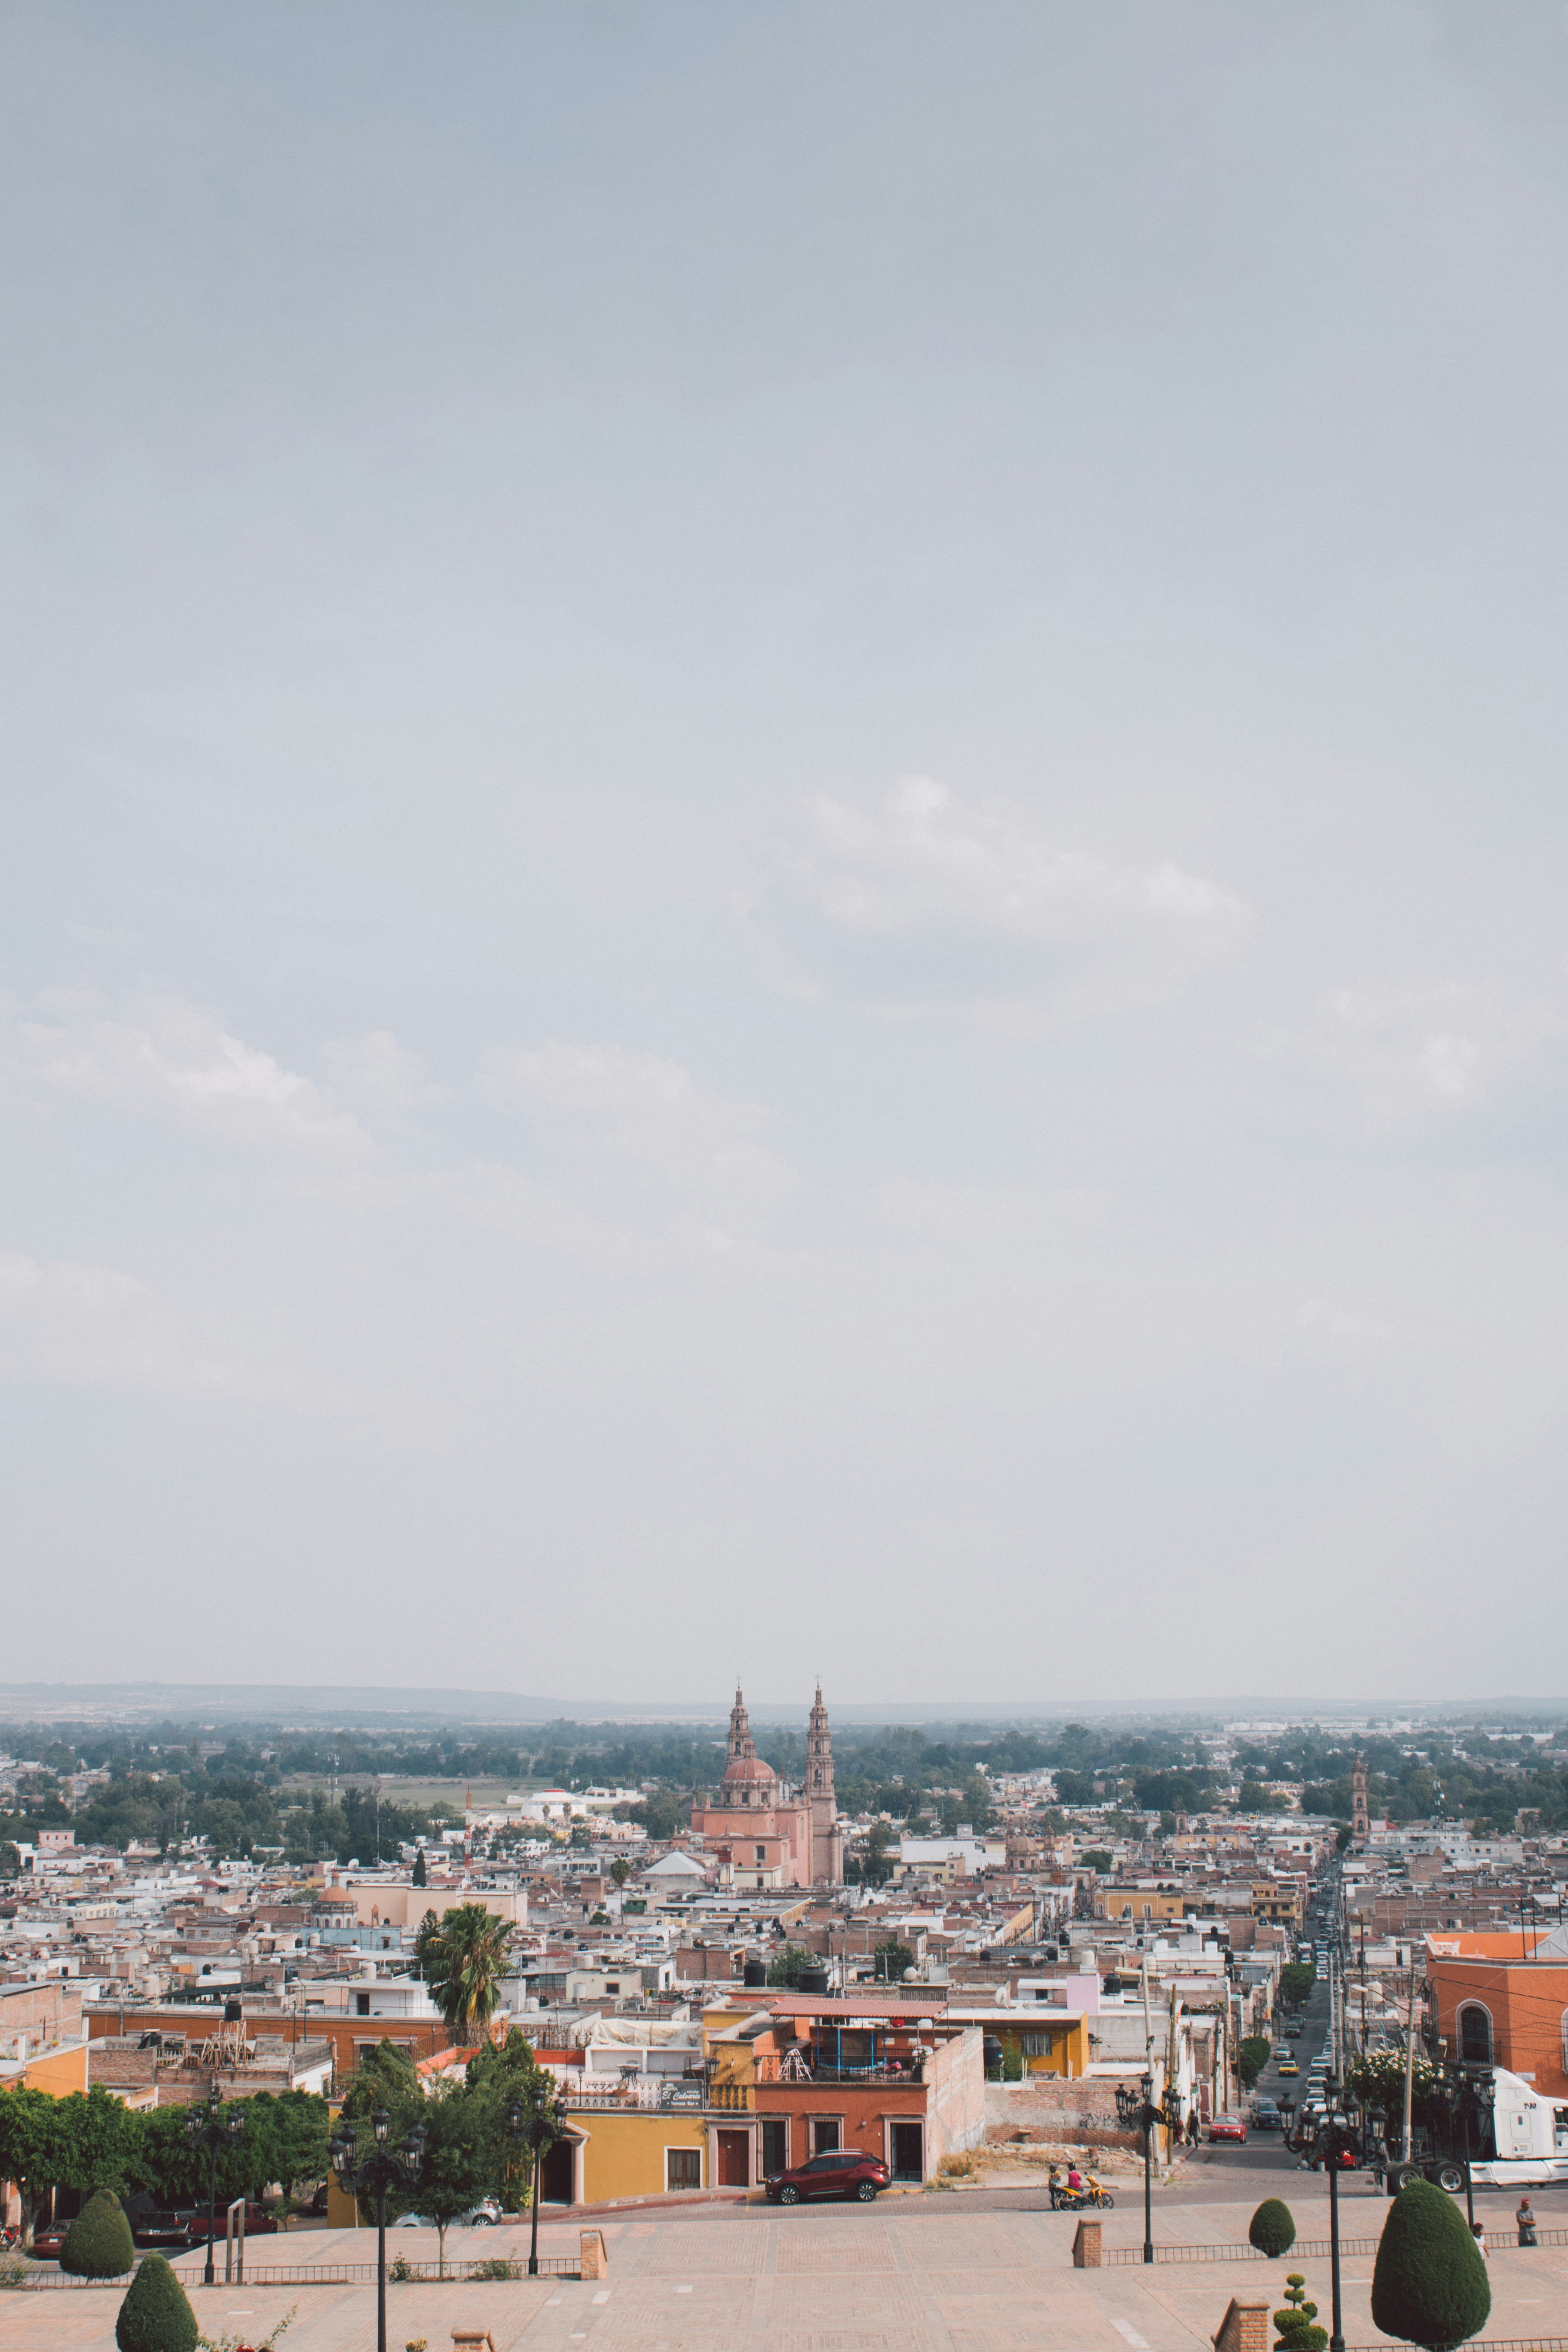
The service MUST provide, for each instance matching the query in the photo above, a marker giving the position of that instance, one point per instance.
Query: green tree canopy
(464, 1963)
(156, 2315)
(786, 1964)
(98, 2243)
(1297, 1979)
(1429, 2282)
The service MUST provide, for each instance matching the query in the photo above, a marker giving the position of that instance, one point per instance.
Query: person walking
(1479, 2235)
(1525, 2218)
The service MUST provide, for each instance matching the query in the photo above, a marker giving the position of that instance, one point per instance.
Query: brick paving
(941, 2276)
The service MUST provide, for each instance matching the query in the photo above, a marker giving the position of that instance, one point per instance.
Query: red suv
(842, 2172)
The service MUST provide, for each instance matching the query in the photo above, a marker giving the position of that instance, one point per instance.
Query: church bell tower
(826, 1837)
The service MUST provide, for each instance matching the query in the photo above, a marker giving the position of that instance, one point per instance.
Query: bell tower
(826, 1837)
(1361, 1824)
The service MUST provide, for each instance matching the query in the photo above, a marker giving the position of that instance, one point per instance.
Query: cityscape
(620, 1995)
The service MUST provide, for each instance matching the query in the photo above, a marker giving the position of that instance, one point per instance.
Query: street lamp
(537, 2128)
(1334, 2141)
(1136, 2112)
(383, 2169)
(207, 2127)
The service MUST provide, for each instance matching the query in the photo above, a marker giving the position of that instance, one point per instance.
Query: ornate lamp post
(1334, 2138)
(382, 2168)
(207, 2127)
(537, 2128)
(1136, 2112)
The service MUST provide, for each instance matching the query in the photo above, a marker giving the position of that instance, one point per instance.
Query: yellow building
(1139, 1902)
(1043, 2040)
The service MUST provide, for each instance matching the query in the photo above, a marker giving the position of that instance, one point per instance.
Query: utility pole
(1409, 2058)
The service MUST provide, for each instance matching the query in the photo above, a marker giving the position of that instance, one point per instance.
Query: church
(768, 1833)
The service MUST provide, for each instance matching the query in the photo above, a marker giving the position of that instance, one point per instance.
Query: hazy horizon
(785, 845)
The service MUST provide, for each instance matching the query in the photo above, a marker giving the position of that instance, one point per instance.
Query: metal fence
(1309, 2250)
(400, 2270)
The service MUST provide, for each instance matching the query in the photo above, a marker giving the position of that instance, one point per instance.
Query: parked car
(1228, 2127)
(47, 2244)
(162, 2234)
(482, 2216)
(842, 2172)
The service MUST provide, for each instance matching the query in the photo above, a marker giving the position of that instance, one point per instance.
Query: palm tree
(464, 1962)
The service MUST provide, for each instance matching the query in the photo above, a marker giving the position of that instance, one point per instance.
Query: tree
(1251, 2058)
(463, 2159)
(1294, 2323)
(30, 2145)
(156, 2315)
(1272, 2228)
(464, 1964)
(98, 2243)
(420, 1877)
(1429, 2282)
(10, 1860)
(1297, 1979)
(502, 2075)
(620, 1870)
(889, 1960)
(786, 1964)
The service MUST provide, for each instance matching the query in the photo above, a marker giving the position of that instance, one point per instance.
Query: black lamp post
(1137, 2112)
(207, 2127)
(1333, 2141)
(383, 2169)
(537, 2128)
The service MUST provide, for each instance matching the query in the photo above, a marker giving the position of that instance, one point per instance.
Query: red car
(1228, 2127)
(842, 2172)
(47, 2242)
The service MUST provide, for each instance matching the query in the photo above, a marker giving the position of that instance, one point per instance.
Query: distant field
(411, 1792)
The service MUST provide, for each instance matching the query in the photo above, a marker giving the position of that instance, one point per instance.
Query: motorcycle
(1077, 2200)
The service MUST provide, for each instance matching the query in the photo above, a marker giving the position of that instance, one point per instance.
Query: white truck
(1529, 2135)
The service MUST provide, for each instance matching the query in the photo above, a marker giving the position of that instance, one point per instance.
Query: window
(1036, 2045)
(361, 2004)
(824, 2134)
(683, 2168)
(1475, 2036)
(1147, 1911)
(775, 2146)
(762, 1854)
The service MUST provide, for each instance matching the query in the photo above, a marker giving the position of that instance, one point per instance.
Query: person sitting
(1075, 2180)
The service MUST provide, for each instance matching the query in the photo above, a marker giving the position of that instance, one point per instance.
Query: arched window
(1475, 2036)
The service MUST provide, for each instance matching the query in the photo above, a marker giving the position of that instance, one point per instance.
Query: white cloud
(1409, 1051)
(64, 1321)
(165, 1055)
(927, 904)
(641, 1131)
(379, 1073)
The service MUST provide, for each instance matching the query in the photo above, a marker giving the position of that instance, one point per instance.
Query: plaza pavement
(933, 2274)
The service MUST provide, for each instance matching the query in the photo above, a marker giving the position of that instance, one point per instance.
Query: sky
(784, 847)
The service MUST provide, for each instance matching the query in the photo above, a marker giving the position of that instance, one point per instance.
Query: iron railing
(400, 2270)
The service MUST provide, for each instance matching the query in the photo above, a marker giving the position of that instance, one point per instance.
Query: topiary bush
(1293, 2326)
(1429, 2282)
(99, 2242)
(1273, 2227)
(156, 2315)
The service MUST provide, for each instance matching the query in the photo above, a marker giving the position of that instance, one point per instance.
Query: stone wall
(1049, 2107)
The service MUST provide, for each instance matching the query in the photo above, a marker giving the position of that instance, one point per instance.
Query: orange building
(1500, 1998)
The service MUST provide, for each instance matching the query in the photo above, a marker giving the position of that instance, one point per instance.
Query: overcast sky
(785, 846)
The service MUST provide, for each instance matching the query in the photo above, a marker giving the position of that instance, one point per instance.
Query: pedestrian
(1526, 2220)
(1193, 2129)
(1479, 2236)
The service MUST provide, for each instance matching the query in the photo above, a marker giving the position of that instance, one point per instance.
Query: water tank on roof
(755, 1972)
(233, 2012)
(813, 1979)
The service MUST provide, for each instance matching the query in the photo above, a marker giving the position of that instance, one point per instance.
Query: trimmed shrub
(99, 2242)
(156, 2315)
(1429, 2284)
(1294, 2324)
(1273, 2228)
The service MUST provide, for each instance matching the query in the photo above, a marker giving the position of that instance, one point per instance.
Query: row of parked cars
(165, 2233)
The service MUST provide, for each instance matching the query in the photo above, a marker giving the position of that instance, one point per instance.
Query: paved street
(907, 2276)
